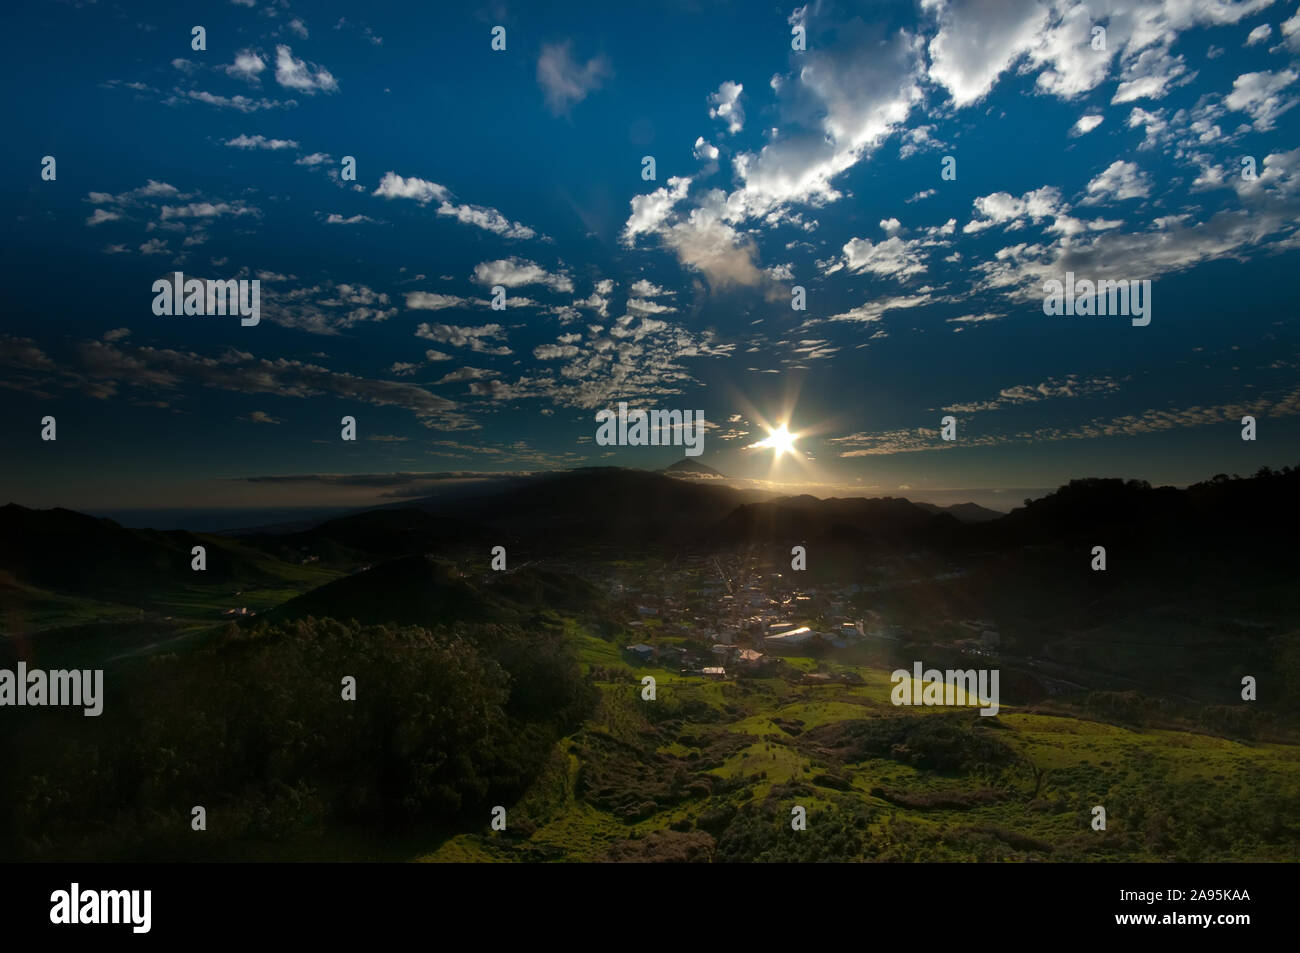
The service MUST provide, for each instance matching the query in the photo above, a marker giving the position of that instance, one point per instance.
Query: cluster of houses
(748, 625)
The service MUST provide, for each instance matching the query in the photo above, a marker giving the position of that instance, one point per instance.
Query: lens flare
(780, 441)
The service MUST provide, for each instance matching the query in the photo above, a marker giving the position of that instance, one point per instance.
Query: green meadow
(711, 771)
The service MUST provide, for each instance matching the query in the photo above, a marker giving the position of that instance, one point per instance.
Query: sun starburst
(779, 440)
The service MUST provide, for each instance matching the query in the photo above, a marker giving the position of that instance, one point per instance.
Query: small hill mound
(692, 469)
(427, 591)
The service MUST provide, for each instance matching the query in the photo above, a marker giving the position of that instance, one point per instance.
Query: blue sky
(522, 168)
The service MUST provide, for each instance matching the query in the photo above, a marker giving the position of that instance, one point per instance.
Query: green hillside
(711, 771)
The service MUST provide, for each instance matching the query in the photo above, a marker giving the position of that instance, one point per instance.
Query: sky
(912, 173)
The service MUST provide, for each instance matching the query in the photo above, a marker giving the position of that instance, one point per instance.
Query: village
(700, 618)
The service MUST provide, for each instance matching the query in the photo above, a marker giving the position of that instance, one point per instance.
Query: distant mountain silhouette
(687, 467)
(618, 507)
(72, 552)
(381, 533)
(966, 512)
(427, 591)
(869, 522)
(1151, 532)
(600, 505)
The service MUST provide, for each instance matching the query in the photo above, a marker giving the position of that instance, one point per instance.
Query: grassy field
(711, 770)
(87, 632)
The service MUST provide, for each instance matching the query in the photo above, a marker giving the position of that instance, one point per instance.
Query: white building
(788, 643)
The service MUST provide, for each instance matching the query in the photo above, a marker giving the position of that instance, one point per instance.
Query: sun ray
(780, 440)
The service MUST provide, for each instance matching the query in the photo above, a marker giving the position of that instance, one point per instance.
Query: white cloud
(1067, 387)
(302, 76)
(1277, 404)
(639, 358)
(101, 216)
(1002, 208)
(975, 318)
(844, 101)
(1259, 34)
(706, 243)
(705, 150)
(1259, 95)
(1087, 124)
(644, 288)
(248, 66)
(237, 371)
(206, 210)
(651, 210)
(874, 310)
(488, 219)
(239, 103)
(1291, 33)
(725, 105)
(917, 139)
(979, 40)
(1154, 125)
(1064, 51)
(467, 374)
(1268, 212)
(565, 82)
(326, 308)
(893, 257)
(393, 186)
(431, 301)
(1121, 180)
(647, 306)
(597, 301)
(1151, 75)
(475, 338)
(859, 83)
(260, 142)
(518, 272)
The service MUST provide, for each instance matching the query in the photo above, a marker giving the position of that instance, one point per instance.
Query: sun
(780, 441)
